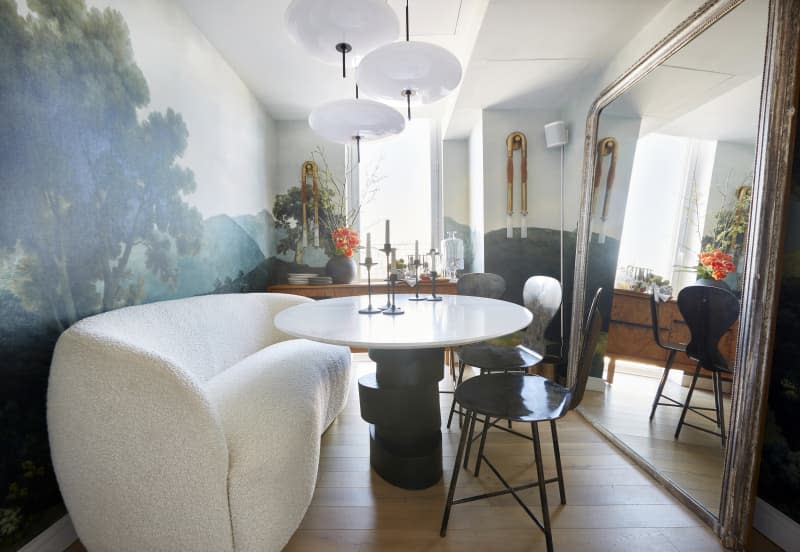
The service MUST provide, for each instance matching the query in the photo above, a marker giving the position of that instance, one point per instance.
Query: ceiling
(710, 88)
(524, 54)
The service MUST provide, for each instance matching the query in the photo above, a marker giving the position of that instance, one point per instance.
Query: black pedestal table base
(401, 402)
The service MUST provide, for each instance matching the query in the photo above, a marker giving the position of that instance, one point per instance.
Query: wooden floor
(611, 504)
(695, 461)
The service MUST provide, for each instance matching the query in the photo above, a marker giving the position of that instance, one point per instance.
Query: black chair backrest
(709, 312)
(591, 335)
(481, 284)
(654, 318)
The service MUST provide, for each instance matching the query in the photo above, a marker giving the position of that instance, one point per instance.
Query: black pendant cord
(358, 149)
(407, 92)
(344, 48)
(356, 90)
(407, 39)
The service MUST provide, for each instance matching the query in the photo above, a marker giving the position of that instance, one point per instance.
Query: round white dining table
(401, 400)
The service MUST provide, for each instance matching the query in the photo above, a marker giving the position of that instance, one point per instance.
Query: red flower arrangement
(345, 240)
(713, 263)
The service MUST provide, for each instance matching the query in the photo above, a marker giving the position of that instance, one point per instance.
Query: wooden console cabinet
(630, 334)
(360, 288)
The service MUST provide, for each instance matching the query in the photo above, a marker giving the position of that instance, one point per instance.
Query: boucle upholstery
(190, 424)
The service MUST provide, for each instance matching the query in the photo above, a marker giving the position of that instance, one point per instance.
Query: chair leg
(559, 471)
(453, 405)
(688, 400)
(667, 366)
(720, 408)
(471, 426)
(453, 480)
(483, 444)
(537, 452)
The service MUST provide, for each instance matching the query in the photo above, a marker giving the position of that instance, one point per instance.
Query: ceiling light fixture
(332, 29)
(401, 70)
(344, 121)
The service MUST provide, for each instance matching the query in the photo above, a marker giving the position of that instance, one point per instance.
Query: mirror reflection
(672, 190)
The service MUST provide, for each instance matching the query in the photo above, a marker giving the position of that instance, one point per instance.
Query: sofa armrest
(138, 450)
(274, 406)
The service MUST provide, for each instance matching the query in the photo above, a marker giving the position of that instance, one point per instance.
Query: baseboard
(776, 526)
(55, 538)
(595, 384)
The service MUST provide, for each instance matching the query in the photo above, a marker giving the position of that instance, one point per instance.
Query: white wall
(733, 167)
(543, 169)
(455, 177)
(476, 195)
(296, 141)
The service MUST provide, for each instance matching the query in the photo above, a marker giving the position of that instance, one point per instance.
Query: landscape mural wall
(136, 167)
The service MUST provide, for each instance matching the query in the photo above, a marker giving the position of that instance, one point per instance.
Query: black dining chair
(474, 284)
(523, 398)
(542, 296)
(673, 348)
(709, 311)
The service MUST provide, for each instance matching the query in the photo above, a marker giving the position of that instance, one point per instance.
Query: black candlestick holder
(434, 275)
(387, 249)
(433, 296)
(369, 309)
(416, 297)
(393, 308)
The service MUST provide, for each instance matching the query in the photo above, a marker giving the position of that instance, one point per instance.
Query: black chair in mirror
(542, 296)
(522, 398)
(673, 348)
(709, 311)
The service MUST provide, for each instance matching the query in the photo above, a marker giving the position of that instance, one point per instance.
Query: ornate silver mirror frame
(772, 173)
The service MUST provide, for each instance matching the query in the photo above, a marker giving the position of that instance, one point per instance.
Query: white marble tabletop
(456, 320)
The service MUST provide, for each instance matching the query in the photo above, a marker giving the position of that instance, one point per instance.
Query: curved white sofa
(191, 425)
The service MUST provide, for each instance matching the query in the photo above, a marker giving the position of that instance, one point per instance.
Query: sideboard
(360, 288)
(630, 333)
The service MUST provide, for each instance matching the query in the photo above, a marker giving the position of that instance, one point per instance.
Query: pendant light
(344, 121)
(330, 30)
(401, 70)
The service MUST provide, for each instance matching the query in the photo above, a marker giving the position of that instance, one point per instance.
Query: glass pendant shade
(343, 121)
(430, 72)
(321, 26)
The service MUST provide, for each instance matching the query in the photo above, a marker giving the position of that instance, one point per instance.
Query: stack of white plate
(300, 278)
(320, 280)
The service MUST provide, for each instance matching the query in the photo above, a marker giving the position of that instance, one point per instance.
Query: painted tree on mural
(85, 181)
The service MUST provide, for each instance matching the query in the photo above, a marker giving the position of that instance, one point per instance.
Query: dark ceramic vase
(342, 269)
(711, 282)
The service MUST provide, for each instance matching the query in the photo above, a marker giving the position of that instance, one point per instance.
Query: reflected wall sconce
(398, 71)
(330, 30)
(606, 147)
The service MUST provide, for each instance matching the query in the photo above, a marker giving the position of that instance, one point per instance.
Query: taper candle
(369, 246)
(416, 249)
(387, 232)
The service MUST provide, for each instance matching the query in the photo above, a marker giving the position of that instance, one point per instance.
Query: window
(395, 183)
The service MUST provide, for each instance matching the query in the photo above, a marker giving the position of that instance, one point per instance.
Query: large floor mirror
(675, 167)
